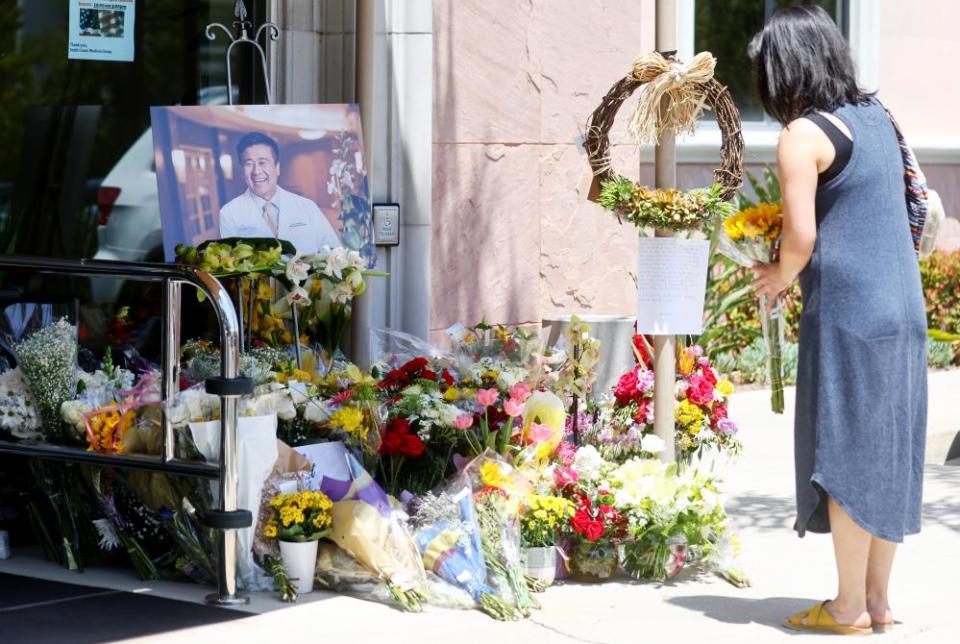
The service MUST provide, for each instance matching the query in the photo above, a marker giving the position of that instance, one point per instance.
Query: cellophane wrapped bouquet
(749, 237)
(447, 532)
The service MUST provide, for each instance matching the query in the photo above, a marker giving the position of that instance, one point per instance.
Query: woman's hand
(770, 282)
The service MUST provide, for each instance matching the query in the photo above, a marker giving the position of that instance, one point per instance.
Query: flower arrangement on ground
(298, 521)
(597, 524)
(299, 516)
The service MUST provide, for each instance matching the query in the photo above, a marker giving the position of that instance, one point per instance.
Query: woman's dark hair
(802, 63)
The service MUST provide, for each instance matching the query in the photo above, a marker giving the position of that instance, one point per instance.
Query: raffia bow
(683, 85)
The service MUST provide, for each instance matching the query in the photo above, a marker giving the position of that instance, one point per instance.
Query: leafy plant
(749, 365)
(939, 354)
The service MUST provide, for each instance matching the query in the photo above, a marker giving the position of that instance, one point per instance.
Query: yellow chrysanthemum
(689, 416)
(349, 419)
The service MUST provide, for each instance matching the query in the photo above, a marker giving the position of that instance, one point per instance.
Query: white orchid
(298, 296)
(298, 270)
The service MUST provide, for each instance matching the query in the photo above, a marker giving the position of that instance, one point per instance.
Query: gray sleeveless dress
(862, 376)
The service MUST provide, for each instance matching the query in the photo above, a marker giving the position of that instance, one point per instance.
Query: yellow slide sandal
(819, 620)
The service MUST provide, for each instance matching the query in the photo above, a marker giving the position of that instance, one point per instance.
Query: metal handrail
(173, 276)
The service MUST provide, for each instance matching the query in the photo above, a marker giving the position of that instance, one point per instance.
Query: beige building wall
(918, 49)
(514, 239)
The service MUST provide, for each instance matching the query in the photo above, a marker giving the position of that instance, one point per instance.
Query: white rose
(588, 462)
(298, 392)
(316, 412)
(652, 444)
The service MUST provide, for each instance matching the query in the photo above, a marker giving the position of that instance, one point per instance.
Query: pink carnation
(699, 390)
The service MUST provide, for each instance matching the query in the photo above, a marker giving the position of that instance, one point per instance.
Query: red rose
(391, 443)
(626, 390)
(594, 530)
(415, 365)
(580, 521)
(397, 440)
(447, 378)
(411, 446)
(699, 390)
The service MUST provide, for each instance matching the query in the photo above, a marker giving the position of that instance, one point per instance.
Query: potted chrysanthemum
(298, 521)
(543, 520)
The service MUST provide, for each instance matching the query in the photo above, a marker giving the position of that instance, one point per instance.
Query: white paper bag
(256, 455)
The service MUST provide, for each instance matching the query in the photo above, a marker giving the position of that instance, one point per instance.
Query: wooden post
(665, 176)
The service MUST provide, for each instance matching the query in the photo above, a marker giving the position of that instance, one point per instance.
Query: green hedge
(733, 338)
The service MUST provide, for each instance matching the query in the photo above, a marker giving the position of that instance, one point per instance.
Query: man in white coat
(265, 209)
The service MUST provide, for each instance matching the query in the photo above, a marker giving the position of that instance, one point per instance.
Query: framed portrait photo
(294, 172)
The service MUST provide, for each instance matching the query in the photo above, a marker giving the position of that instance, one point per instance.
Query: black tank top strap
(842, 145)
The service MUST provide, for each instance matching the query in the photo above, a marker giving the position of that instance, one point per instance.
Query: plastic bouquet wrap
(46, 352)
(19, 415)
(256, 456)
(498, 490)
(448, 536)
(751, 237)
(366, 525)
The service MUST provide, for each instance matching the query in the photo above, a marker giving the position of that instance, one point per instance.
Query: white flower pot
(300, 560)
(541, 563)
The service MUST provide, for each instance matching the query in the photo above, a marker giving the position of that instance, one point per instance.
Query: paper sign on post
(101, 30)
(671, 283)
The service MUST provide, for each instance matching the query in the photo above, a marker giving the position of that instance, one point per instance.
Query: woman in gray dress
(861, 382)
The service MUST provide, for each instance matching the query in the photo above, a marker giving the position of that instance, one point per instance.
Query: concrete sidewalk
(788, 574)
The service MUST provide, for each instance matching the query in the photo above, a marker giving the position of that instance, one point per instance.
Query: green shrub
(940, 354)
(749, 365)
(940, 273)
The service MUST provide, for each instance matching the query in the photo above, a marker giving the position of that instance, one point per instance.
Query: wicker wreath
(674, 209)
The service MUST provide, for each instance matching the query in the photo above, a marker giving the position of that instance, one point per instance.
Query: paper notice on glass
(101, 30)
(671, 280)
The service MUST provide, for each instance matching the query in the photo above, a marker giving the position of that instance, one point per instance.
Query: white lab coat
(300, 221)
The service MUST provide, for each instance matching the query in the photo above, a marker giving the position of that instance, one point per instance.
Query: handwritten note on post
(671, 280)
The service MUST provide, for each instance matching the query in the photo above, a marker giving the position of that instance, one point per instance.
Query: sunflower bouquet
(752, 236)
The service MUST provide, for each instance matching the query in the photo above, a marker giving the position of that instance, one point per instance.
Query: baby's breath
(48, 361)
